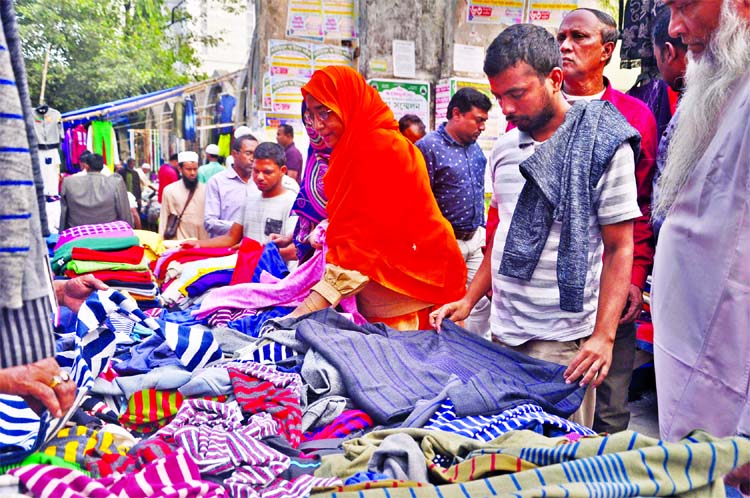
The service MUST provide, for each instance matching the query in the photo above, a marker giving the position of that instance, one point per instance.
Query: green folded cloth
(81, 267)
(64, 253)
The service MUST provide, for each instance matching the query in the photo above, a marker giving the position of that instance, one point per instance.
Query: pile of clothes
(110, 252)
(217, 393)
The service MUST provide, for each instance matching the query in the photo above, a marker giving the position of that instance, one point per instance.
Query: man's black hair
(660, 30)
(466, 98)
(95, 162)
(237, 142)
(84, 157)
(287, 130)
(272, 151)
(527, 43)
(409, 119)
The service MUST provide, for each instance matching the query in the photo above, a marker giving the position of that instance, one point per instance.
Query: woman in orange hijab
(387, 241)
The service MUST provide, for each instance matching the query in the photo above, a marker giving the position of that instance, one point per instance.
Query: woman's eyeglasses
(322, 115)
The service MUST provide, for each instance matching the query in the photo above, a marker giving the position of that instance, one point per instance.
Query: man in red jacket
(587, 39)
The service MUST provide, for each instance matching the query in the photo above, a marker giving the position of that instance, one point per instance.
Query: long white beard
(708, 81)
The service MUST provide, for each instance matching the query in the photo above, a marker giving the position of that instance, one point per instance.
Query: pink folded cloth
(272, 291)
(113, 229)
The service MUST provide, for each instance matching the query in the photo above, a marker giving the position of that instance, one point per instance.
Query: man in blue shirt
(456, 166)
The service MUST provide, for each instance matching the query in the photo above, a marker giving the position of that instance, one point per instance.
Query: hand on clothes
(75, 291)
(190, 244)
(592, 362)
(35, 384)
(456, 311)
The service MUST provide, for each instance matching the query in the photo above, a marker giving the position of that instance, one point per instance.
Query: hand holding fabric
(72, 293)
(456, 311)
(592, 362)
(37, 384)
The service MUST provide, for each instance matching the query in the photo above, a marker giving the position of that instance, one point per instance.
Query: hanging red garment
(78, 138)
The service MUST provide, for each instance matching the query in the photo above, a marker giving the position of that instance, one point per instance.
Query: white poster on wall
(404, 59)
(468, 58)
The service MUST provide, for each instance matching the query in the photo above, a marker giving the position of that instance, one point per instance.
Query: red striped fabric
(257, 396)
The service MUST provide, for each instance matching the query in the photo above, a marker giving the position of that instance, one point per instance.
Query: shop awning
(122, 106)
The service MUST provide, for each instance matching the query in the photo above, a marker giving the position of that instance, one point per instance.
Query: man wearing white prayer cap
(242, 131)
(185, 199)
(212, 166)
(144, 177)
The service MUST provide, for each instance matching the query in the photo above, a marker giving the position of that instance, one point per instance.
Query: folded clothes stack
(112, 253)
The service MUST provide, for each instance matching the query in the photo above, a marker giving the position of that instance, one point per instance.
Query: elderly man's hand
(41, 384)
(74, 292)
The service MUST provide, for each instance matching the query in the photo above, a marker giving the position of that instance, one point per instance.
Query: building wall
(434, 26)
(209, 17)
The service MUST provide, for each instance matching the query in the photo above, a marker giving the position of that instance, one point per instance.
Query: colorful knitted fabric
(21, 430)
(215, 436)
(150, 410)
(137, 458)
(487, 428)
(80, 267)
(175, 475)
(113, 229)
(239, 487)
(349, 422)
(139, 277)
(99, 409)
(224, 316)
(64, 253)
(622, 465)
(81, 444)
(256, 396)
(267, 372)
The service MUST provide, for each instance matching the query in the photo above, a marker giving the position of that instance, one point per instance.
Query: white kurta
(701, 288)
(174, 199)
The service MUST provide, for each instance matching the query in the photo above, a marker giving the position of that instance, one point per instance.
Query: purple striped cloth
(173, 476)
(213, 433)
(113, 229)
(215, 436)
(301, 486)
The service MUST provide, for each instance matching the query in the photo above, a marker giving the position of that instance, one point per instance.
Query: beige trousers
(562, 353)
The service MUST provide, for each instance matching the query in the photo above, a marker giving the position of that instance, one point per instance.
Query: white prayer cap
(212, 149)
(242, 131)
(187, 156)
(145, 166)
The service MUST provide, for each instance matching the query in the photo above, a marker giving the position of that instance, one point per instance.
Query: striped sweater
(24, 281)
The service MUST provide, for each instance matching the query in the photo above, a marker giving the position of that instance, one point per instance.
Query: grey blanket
(386, 372)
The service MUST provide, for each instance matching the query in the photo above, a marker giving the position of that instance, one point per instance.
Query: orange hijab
(383, 218)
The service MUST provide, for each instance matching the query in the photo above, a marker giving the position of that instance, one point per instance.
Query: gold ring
(59, 379)
(56, 381)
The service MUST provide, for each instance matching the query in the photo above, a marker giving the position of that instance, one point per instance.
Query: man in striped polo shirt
(564, 186)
